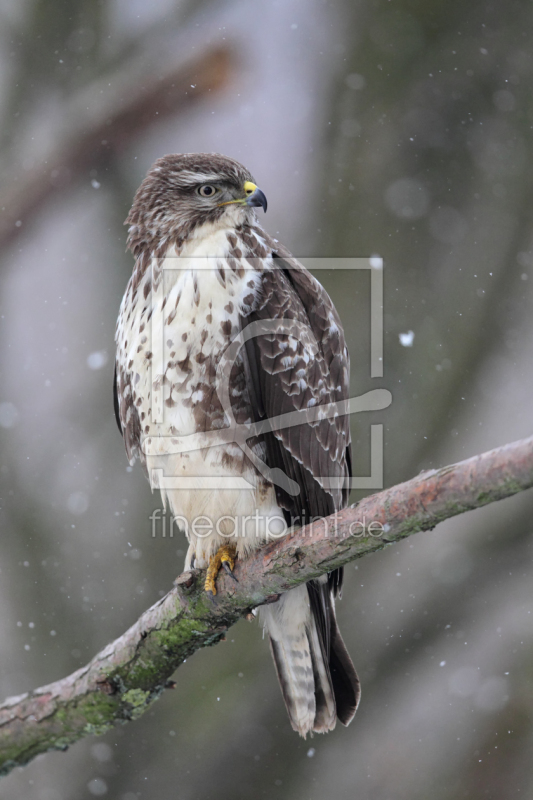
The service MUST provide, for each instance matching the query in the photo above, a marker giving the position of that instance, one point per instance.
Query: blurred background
(400, 129)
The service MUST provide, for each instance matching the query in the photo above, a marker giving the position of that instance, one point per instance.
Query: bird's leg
(223, 558)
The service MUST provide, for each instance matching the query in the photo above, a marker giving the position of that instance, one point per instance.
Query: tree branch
(121, 682)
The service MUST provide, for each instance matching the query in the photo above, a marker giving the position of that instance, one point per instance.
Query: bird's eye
(207, 190)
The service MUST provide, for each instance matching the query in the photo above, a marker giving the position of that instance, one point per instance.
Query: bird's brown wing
(301, 364)
(126, 414)
(116, 404)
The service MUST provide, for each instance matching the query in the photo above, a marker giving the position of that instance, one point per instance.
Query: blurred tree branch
(122, 681)
(102, 120)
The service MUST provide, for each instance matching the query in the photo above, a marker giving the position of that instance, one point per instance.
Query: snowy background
(400, 129)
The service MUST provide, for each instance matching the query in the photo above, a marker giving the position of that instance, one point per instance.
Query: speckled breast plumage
(192, 302)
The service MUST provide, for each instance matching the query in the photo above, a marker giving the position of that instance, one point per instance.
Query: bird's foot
(224, 558)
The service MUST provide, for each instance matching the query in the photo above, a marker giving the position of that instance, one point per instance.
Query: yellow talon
(225, 555)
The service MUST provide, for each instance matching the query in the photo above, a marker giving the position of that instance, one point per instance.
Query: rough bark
(121, 682)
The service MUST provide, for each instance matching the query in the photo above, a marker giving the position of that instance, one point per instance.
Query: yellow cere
(249, 188)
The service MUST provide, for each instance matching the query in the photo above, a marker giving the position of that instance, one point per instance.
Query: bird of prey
(205, 272)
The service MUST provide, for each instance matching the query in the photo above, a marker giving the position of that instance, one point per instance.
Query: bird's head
(183, 191)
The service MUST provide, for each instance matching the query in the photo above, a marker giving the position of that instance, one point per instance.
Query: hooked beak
(256, 199)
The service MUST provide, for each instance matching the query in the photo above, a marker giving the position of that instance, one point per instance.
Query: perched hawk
(205, 270)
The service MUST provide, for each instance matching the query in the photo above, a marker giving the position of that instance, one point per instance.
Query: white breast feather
(194, 303)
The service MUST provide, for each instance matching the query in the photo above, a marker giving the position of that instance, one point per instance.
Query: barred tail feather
(342, 675)
(298, 656)
(326, 711)
(318, 681)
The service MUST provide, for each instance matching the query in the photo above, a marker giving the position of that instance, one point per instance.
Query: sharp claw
(229, 570)
(211, 597)
(222, 558)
